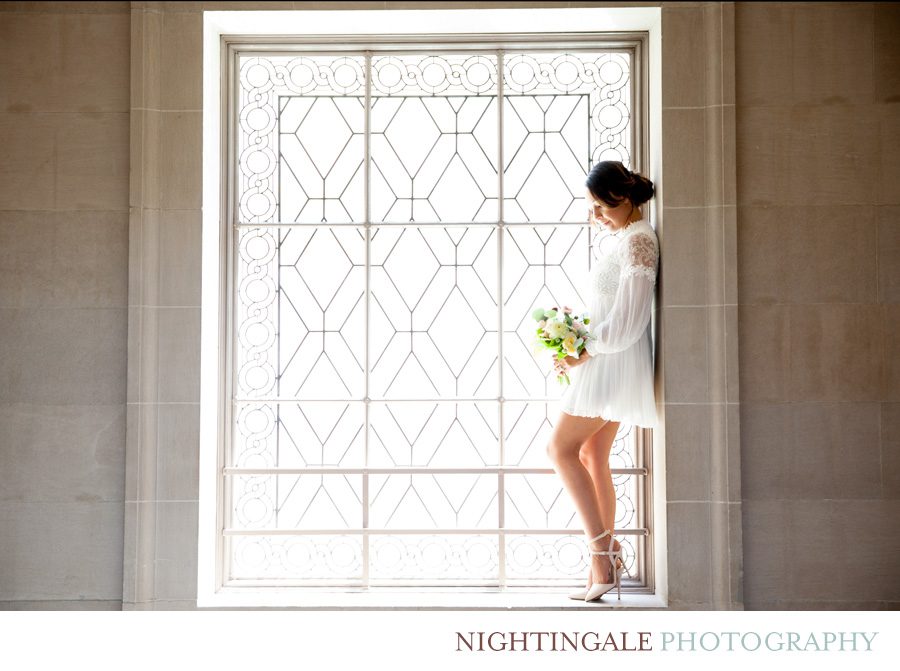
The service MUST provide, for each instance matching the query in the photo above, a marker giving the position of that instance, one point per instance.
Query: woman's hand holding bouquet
(565, 335)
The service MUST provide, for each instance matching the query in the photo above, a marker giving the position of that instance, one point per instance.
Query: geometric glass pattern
(398, 216)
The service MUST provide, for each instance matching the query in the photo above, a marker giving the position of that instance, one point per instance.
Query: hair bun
(642, 189)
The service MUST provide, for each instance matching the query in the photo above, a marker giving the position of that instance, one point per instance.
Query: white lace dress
(616, 382)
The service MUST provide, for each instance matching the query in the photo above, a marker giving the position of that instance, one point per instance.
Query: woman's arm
(632, 307)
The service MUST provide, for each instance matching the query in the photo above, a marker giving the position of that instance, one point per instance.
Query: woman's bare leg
(564, 447)
(594, 454)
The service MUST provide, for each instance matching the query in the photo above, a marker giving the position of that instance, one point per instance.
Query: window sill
(419, 599)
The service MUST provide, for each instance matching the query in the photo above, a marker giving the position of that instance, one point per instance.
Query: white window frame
(498, 29)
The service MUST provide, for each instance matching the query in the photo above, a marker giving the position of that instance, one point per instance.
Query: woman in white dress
(612, 379)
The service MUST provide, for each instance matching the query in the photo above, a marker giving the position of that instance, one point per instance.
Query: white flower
(556, 329)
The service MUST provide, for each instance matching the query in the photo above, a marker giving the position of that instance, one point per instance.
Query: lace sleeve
(639, 255)
(631, 310)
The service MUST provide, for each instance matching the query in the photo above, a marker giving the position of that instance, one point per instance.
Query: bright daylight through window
(397, 216)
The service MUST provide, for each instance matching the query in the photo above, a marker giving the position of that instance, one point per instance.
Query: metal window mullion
(462, 531)
(367, 220)
(501, 479)
(413, 470)
(225, 487)
(388, 224)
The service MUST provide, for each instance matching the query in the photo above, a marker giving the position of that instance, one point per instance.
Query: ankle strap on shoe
(598, 537)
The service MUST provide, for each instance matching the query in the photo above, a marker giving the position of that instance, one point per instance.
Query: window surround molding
(711, 166)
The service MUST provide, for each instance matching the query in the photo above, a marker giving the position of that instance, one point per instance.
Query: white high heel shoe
(597, 590)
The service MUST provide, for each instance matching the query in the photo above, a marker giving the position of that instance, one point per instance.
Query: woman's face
(613, 218)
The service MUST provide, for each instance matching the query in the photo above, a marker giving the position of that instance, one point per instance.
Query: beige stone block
(685, 70)
(888, 250)
(62, 259)
(836, 352)
(890, 450)
(65, 62)
(712, 45)
(62, 452)
(688, 552)
(92, 162)
(135, 251)
(683, 257)
(824, 154)
(730, 255)
(722, 559)
(57, 7)
(148, 276)
(733, 433)
(179, 354)
(136, 159)
(144, 567)
(765, 353)
(766, 556)
(732, 354)
(430, 5)
(147, 346)
(832, 48)
(28, 168)
(764, 170)
(179, 257)
(890, 330)
(794, 548)
(166, 7)
(833, 155)
(831, 254)
(683, 336)
(177, 605)
(150, 168)
(888, 191)
(133, 383)
(826, 604)
(30, 48)
(763, 53)
(97, 79)
(61, 550)
(714, 236)
(145, 449)
(727, 50)
(729, 155)
(62, 356)
(176, 552)
(180, 164)
(887, 52)
(146, 60)
(181, 66)
(717, 353)
(132, 450)
(684, 157)
(714, 168)
(73, 604)
(129, 555)
(178, 455)
(136, 61)
(688, 451)
(819, 254)
(811, 451)
(273, 6)
(736, 554)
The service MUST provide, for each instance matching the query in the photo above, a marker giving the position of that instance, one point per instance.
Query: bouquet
(561, 332)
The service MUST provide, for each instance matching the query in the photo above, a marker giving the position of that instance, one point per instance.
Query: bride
(612, 378)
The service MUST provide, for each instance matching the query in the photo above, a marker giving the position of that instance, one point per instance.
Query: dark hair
(612, 183)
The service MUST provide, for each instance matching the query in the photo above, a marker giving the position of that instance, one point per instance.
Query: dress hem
(640, 423)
